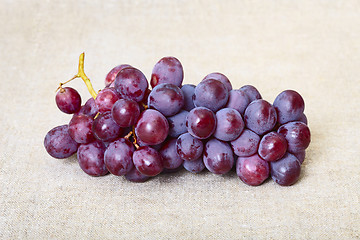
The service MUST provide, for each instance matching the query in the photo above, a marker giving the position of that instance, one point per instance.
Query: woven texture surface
(311, 47)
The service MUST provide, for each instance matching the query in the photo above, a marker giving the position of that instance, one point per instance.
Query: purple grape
(246, 144)
(68, 100)
(131, 83)
(297, 134)
(188, 91)
(300, 156)
(252, 93)
(220, 77)
(260, 116)
(194, 166)
(170, 158)
(135, 176)
(201, 122)
(238, 100)
(118, 157)
(218, 156)
(80, 128)
(147, 161)
(91, 158)
(272, 147)
(125, 112)
(252, 170)
(110, 77)
(177, 124)
(105, 99)
(188, 147)
(286, 171)
(211, 94)
(167, 70)
(229, 124)
(89, 108)
(152, 127)
(303, 119)
(166, 98)
(289, 106)
(105, 128)
(59, 144)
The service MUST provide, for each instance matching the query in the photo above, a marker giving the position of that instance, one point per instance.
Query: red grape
(80, 128)
(147, 161)
(152, 127)
(125, 112)
(167, 70)
(211, 94)
(272, 147)
(220, 77)
(252, 170)
(59, 144)
(91, 158)
(68, 100)
(201, 122)
(131, 83)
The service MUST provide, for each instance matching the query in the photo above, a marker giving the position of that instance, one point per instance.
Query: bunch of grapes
(129, 130)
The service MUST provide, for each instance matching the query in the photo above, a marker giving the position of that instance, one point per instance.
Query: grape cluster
(132, 131)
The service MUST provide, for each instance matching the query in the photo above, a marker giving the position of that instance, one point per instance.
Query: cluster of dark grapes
(132, 131)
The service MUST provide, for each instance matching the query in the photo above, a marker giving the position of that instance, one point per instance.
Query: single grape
(89, 108)
(252, 170)
(229, 124)
(166, 98)
(80, 128)
(218, 156)
(194, 166)
(297, 134)
(260, 116)
(167, 70)
(131, 83)
(110, 77)
(135, 176)
(91, 158)
(170, 158)
(125, 112)
(211, 94)
(289, 106)
(118, 157)
(177, 124)
(252, 93)
(303, 119)
(147, 161)
(152, 127)
(105, 99)
(238, 100)
(59, 144)
(272, 147)
(105, 128)
(68, 100)
(188, 147)
(201, 122)
(246, 144)
(220, 77)
(300, 156)
(286, 171)
(188, 91)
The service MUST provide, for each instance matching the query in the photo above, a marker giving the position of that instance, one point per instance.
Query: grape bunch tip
(129, 130)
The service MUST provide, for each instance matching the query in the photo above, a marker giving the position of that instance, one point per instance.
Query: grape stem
(81, 74)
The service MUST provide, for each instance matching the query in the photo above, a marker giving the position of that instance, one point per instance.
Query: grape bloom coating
(128, 130)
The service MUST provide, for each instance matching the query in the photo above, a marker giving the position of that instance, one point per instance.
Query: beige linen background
(310, 46)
